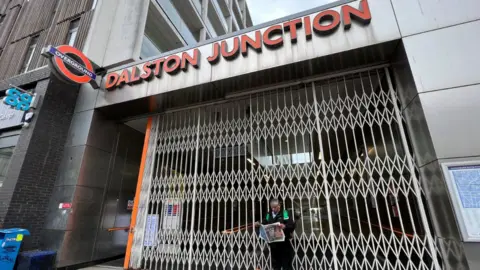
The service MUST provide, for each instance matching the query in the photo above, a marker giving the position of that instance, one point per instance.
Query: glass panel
(28, 56)
(219, 13)
(5, 157)
(72, 32)
(149, 49)
(234, 25)
(210, 28)
(237, 12)
(74, 24)
(71, 37)
(177, 21)
(198, 6)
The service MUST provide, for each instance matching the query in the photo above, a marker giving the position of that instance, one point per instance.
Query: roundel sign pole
(71, 65)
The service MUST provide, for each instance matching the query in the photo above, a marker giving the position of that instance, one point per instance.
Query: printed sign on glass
(464, 185)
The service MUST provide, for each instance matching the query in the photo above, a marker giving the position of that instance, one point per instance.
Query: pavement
(102, 267)
(117, 264)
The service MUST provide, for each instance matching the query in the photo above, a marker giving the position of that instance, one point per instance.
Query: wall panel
(56, 36)
(445, 58)
(7, 25)
(452, 117)
(82, 34)
(12, 58)
(50, 19)
(38, 51)
(417, 16)
(35, 16)
(71, 8)
(3, 6)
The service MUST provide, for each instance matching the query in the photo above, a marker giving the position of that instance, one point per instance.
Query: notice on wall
(171, 217)
(130, 205)
(464, 185)
(151, 230)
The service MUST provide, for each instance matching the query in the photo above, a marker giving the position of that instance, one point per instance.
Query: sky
(267, 10)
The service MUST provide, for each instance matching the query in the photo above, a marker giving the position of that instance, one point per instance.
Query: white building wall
(441, 43)
(417, 16)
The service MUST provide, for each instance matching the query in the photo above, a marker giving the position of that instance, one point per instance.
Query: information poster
(464, 183)
(171, 217)
(151, 230)
(172, 213)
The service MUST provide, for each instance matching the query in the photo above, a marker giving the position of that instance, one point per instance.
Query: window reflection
(5, 157)
(72, 32)
(26, 66)
(149, 48)
(177, 20)
(295, 150)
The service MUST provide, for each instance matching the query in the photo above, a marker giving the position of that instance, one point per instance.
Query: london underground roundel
(70, 64)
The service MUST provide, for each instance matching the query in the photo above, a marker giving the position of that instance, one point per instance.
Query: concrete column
(448, 90)
(203, 33)
(117, 31)
(30, 179)
(243, 9)
(438, 204)
(230, 18)
(89, 159)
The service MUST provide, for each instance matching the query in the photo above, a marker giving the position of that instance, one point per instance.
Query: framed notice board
(463, 180)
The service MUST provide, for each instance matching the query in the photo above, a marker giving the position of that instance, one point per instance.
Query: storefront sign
(18, 100)
(323, 24)
(9, 117)
(70, 64)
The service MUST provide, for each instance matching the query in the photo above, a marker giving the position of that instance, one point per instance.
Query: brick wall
(32, 172)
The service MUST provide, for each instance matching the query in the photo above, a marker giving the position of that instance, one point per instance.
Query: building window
(149, 48)
(5, 157)
(29, 55)
(72, 32)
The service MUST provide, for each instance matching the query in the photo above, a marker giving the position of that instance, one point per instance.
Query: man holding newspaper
(277, 229)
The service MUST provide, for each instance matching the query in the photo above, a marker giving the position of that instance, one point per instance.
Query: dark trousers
(282, 255)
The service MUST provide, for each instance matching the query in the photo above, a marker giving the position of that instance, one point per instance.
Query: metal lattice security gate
(334, 151)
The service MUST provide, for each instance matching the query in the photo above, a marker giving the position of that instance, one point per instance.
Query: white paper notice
(151, 230)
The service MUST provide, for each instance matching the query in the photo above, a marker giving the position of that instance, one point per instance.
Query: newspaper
(272, 233)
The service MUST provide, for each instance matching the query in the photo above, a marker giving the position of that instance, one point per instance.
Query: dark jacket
(284, 218)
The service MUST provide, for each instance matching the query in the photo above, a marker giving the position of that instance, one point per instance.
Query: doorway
(332, 150)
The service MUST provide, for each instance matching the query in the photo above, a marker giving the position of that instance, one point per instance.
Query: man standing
(281, 252)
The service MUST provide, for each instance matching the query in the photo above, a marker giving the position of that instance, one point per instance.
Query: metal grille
(334, 152)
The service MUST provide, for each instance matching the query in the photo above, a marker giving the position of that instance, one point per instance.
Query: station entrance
(333, 150)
